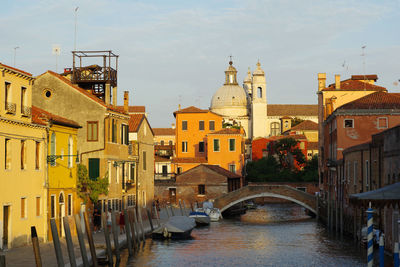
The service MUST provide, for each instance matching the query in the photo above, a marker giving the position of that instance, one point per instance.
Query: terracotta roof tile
(83, 91)
(164, 131)
(378, 100)
(355, 85)
(294, 136)
(305, 125)
(15, 69)
(190, 160)
(42, 117)
(133, 109)
(222, 171)
(135, 121)
(191, 109)
(365, 77)
(291, 110)
(312, 146)
(227, 131)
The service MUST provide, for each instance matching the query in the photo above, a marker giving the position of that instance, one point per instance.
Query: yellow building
(62, 199)
(23, 161)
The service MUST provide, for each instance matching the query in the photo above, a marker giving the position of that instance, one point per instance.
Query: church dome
(230, 99)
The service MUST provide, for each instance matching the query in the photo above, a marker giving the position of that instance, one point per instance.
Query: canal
(272, 235)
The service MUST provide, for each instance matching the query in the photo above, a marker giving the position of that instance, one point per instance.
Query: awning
(389, 194)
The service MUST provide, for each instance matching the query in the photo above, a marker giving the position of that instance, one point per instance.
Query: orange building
(200, 139)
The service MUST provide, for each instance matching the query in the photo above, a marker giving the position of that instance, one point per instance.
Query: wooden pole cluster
(36, 249)
(3, 260)
(108, 241)
(115, 234)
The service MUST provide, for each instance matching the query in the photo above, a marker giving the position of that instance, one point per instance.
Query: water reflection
(287, 238)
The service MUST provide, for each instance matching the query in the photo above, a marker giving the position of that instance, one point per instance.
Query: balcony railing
(11, 108)
(26, 111)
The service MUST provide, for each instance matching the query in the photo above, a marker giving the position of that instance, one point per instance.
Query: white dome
(229, 100)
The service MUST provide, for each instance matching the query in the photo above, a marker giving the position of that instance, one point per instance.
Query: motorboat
(214, 213)
(177, 227)
(200, 216)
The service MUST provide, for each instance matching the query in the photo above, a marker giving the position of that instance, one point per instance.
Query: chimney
(173, 125)
(321, 81)
(337, 82)
(126, 101)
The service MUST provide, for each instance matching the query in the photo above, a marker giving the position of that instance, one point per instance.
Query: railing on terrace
(26, 111)
(10, 108)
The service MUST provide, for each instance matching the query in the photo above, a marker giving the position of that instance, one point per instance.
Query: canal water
(272, 235)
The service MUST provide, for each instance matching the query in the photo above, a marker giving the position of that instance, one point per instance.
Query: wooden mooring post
(81, 240)
(115, 235)
(3, 260)
(172, 210)
(136, 226)
(184, 206)
(56, 243)
(108, 241)
(141, 224)
(70, 244)
(180, 207)
(90, 239)
(36, 249)
(132, 228)
(128, 232)
(150, 219)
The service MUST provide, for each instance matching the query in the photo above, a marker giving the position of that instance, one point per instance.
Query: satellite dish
(56, 50)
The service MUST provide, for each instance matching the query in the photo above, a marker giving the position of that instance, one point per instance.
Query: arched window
(275, 128)
(259, 92)
(61, 198)
(70, 151)
(53, 149)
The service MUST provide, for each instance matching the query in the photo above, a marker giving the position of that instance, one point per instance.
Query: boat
(214, 213)
(200, 216)
(177, 227)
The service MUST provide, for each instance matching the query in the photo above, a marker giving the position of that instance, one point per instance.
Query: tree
(90, 189)
(288, 153)
(296, 121)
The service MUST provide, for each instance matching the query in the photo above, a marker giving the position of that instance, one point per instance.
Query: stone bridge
(306, 200)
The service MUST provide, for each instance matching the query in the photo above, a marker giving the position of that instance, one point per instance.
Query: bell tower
(259, 104)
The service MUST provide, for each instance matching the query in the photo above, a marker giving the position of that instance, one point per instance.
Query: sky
(176, 52)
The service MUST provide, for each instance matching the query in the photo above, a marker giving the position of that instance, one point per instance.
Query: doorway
(61, 214)
(172, 195)
(6, 226)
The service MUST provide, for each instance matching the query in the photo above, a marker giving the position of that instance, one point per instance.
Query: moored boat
(200, 217)
(177, 227)
(215, 214)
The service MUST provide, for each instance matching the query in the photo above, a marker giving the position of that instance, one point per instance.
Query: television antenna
(15, 53)
(56, 52)
(76, 22)
(363, 55)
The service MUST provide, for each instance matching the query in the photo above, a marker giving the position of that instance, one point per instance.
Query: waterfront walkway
(24, 257)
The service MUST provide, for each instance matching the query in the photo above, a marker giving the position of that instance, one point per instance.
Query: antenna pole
(76, 22)
(363, 55)
(15, 54)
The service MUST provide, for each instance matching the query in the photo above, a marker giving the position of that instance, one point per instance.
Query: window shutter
(94, 168)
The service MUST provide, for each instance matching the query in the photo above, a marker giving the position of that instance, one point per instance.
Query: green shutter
(94, 168)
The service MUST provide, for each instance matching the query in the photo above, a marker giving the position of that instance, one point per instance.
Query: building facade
(23, 175)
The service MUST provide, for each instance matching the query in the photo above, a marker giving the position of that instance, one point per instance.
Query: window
(211, 125)
(179, 170)
(7, 154)
(144, 160)
(170, 142)
(275, 128)
(367, 181)
(184, 146)
(232, 168)
(92, 130)
(69, 203)
(259, 92)
(348, 123)
(201, 189)
(164, 170)
(38, 202)
(53, 149)
(201, 147)
(216, 145)
(382, 123)
(23, 154)
(8, 94)
(113, 131)
(70, 151)
(23, 101)
(355, 173)
(162, 142)
(94, 168)
(23, 208)
(37, 155)
(232, 144)
(184, 125)
(201, 125)
(124, 134)
(133, 171)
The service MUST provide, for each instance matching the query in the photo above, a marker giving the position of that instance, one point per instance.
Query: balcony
(10, 108)
(164, 176)
(26, 111)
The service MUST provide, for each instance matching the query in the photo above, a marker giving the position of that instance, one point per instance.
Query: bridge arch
(251, 191)
(267, 194)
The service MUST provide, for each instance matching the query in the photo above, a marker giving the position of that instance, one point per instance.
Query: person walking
(121, 223)
(96, 220)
